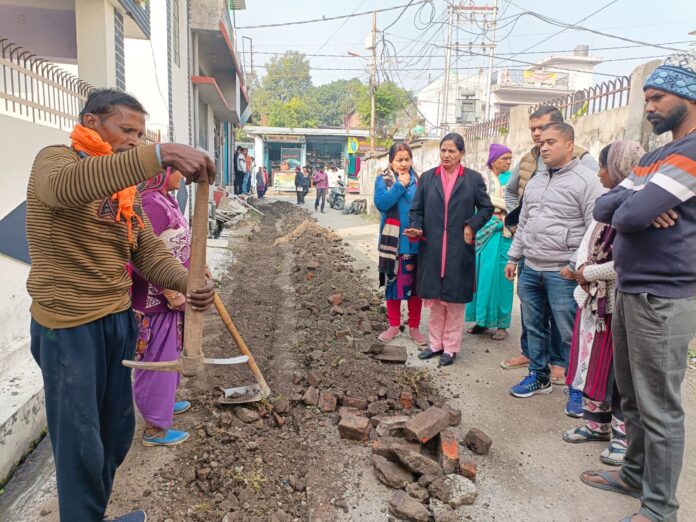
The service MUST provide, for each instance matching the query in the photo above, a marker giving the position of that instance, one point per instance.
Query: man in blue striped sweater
(654, 213)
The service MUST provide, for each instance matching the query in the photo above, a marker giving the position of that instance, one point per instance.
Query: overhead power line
(340, 17)
(567, 27)
(280, 53)
(559, 23)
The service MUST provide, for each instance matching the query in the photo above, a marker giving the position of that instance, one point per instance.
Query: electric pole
(373, 82)
(490, 61)
(448, 62)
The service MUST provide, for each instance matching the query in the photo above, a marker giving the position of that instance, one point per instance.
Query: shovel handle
(222, 311)
(192, 356)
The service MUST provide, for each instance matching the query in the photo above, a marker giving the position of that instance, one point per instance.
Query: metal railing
(36, 90)
(605, 96)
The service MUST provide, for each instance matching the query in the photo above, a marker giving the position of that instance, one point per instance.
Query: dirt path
(282, 460)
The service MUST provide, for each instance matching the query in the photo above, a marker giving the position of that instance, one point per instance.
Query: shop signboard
(284, 177)
(284, 138)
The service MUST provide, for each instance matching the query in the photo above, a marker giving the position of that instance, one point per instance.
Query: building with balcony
(220, 103)
(550, 78)
(178, 57)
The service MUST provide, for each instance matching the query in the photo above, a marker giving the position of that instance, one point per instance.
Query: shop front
(283, 149)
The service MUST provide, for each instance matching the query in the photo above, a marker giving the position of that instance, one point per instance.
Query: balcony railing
(38, 91)
(35, 90)
(530, 78)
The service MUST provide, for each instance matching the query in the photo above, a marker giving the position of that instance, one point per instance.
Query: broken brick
(347, 410)
(354, 427)
(426, 424)
(384, 447)
(478, 441)
(314, 379)
(335, 299)
(416, 462)
(311, 396)
(392, 426)
(455, 415)
(392, 354)
(390, 473)
(467, 467)
(352, 402)
(406, 400)
(327, 402)
(447, 451)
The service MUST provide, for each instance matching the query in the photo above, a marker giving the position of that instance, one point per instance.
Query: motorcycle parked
(337, 196)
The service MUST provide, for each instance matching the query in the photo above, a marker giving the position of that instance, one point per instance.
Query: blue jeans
(553, 338)
(544, 293)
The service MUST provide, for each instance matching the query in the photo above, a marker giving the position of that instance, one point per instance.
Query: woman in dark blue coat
(449, 207)
(398, 257)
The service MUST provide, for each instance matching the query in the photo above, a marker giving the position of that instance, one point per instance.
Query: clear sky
(418, 36)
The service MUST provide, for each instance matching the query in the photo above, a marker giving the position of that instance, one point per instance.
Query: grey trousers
(651, 342)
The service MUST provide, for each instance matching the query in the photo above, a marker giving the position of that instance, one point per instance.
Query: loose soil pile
(310, 320)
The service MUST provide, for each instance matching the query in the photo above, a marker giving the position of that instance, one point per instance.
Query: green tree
(391, 103)
(332, 101)
(293, 113)
(287, 76)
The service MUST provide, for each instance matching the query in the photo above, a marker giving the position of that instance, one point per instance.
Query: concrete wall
(592, 131)
(181, 81)
(96, 45)
(21, 406)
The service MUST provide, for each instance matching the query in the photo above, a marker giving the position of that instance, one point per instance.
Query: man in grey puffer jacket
(557, 210)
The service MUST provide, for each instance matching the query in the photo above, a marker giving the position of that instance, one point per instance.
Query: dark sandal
(612, 484)
(477, 330)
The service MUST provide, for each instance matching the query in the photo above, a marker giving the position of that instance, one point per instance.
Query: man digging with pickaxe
(84, 225)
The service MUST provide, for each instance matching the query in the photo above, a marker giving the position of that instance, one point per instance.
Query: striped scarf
(388, 247)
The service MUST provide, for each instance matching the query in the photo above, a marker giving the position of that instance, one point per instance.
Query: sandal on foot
(477, 330)
(389, 334)
(614, 454)
(500, 335)
(611, 484)
(417, 337)
(165, 437)
(181, 407)
(584, 434)
(518, 361)
(429, 353)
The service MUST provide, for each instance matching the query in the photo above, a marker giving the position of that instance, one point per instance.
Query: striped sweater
(79, 252)
(657, 261)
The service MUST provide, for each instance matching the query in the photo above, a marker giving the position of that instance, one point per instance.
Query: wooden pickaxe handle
(192, 356)
(243, 348)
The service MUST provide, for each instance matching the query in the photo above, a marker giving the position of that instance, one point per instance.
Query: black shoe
(447, 359)
(428, 354)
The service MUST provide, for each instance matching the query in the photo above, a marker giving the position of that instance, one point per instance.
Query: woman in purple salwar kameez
(160, 314)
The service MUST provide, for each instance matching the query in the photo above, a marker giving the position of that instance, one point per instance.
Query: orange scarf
(90, 142)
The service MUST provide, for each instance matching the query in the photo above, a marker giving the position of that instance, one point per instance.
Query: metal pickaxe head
(187, 366)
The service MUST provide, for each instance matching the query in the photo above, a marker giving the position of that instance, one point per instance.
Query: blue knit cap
(676, 75)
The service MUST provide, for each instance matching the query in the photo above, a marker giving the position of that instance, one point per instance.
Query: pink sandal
(389, 334)
(417, 337)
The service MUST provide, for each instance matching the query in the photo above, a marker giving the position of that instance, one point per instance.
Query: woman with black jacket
(450, 206)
